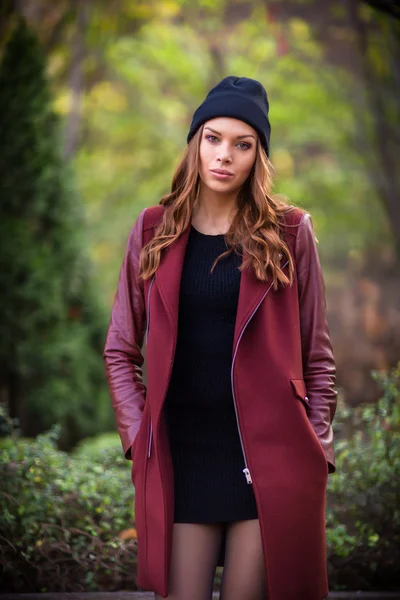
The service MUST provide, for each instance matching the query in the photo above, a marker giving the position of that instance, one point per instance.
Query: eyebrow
(238, 137)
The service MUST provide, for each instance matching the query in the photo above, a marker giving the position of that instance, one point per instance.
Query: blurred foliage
(66, 520)
(164, 72)
(93, 447)
(51, 323)
(146, 68)
(126, 77)
(363, 519)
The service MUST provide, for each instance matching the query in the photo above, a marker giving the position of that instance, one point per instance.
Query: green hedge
(62, 517)
(67, 524)
(363, 517)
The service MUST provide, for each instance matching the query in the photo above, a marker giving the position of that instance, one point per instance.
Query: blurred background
(96, 99)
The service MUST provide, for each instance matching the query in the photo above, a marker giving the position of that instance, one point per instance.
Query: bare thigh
(244, 572)
(195, 550)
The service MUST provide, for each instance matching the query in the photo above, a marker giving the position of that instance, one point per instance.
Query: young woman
(231, 439)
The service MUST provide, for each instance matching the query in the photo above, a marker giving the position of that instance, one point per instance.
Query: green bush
(96, 447)
(61, 518)
(66, 521)
(363, 517)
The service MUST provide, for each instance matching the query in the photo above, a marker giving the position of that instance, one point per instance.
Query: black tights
(195, 551)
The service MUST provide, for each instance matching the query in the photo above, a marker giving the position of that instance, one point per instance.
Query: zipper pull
(150, 440)
(247, 474)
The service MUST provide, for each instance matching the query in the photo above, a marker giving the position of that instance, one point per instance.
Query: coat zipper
(150, 439)
(146, 337)
(246, 469)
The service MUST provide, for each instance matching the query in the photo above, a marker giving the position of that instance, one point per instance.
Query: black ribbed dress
(210, 485)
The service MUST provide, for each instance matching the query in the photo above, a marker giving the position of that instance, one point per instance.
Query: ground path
(150, 596)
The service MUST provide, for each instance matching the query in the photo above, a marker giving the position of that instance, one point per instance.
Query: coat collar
(168, 278)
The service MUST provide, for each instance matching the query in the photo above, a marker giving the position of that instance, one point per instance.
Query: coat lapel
(252, 292)
(168, 278)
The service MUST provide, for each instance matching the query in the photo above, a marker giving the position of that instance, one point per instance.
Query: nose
(224, 154)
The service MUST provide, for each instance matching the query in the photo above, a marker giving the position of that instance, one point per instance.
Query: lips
(221, 172)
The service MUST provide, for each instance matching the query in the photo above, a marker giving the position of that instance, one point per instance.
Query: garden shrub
(94, 446)
(67, 521)
(363, 517)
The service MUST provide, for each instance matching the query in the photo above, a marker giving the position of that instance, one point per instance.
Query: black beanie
(238, 97)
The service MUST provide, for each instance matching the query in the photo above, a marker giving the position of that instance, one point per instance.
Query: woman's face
(229, 145)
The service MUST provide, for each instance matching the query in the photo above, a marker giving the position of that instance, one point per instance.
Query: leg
(244, 574)
(195, 549)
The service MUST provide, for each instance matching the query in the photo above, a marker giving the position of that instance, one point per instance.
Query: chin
(220, 186)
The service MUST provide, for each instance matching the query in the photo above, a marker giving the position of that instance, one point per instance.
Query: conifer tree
(51, 321)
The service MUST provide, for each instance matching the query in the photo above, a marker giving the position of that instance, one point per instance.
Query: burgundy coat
(283, 376)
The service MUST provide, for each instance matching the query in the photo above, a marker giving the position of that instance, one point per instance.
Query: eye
(211, 136)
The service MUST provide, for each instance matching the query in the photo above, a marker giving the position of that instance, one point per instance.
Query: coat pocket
(299, 388)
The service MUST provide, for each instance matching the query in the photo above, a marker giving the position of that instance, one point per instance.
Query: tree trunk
(386, 161)
(76, 82)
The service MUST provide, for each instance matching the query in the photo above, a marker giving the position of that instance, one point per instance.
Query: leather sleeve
(319, 369)
(122, 352)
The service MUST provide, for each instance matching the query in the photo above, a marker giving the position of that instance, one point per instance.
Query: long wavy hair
(255, 229)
